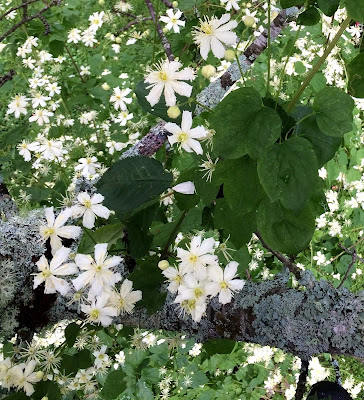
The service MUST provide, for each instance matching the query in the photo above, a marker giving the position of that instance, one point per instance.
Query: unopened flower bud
(165, 30)
(108, 35)
(229, 55)
(173, 112)
(118, 40)
(39, 374)
(249, 21)
(164, 264)
(45, 398)
(175, 4)
(105, 86)
(208, 71)
(102, 2)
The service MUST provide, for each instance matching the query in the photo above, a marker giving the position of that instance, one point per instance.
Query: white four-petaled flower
(185, 135)
(173, 20)
(89, 207)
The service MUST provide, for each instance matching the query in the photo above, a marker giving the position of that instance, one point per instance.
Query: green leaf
(309, 17)
(328, 7)
(355, 9)
(56, 47)
(231, 118)
(219, 346)
(70, 364)
(14, 135)
(284, 230)
(132, 182)
(291, 3)
(242, 189)
(334, 111)
(16, 396)
(356, 76)
(143, 391)
(152, 297)
(324, 146)
(288, 172)
(46, 389)
(109, 234)
(160, 109)
(264, 130)
(71, 333)
(105, 338)
(114, 385)
(239, 226)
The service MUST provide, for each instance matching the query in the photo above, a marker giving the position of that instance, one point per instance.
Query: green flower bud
(229, 55)
(173, 112)
(208, 71)
(249, 21)
(164, 264)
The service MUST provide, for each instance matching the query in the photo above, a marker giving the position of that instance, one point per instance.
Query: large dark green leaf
(239, 226)
(324, 146)
(309, 17)
(334, 111)
(219, 346)
(264, 129)
(114, 385)
(242, 189)
(231, 119)
(46, 389)
(355, 9)
(288, 172)
(291, 3)
(328, 7)
(106, 234)
(133, 182)
(356, 76)
(71, 333)
(284, 230)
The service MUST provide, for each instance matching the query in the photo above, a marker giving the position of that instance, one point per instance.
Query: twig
(74, 64)
(7, 77)
(164, 40)
(347, 250)
(173, 234)
(354, 257)
(167, 3)
(135, 22)
(340, 254)
(26, 19)
(284, 260)
(17, 8)
(301, 384)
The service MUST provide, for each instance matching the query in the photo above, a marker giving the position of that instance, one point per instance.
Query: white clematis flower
(186, 136)
(185, 188)
(173, 20)
(213, 34)
(55, 229)
(98, 312)
(166, 78)
(24, 376)
(89, 207)
(125, 298)
(49, 272)
(98, 272)
(223, 282)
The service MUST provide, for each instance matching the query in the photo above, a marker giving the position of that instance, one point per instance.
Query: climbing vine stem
(319, 63)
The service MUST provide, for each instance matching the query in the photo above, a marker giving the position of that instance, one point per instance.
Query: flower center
(182, 137)
(87, 203)
(192, 258)
(198, 292)
(162, 76)
(223, 285)
(94, 314)
(98, 268)
(206, 28)
(49, 231)
(46, 273)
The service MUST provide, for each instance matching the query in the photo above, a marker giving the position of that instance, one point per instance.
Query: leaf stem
(319, 63)
(173, 234)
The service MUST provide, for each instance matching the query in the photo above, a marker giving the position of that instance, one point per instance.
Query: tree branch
(283, 259)
(301, 384)
(162, 36)
(26, 18)
(24, 4)
(7, 77)
(353, 259)
(167, 3)
(135, 22)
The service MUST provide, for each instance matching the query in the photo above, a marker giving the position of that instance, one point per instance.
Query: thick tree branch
(167, 3)
(24, 4)
(301, 384)
(7, 77)
(162, 36)
(212, 95)
(131, 23)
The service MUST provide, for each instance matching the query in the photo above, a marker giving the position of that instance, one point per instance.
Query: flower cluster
(199, 276)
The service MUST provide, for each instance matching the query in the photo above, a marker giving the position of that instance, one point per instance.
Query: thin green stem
(173, 234)
(74, 64)
(319, 63)
(155, 31)
(201, 105)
